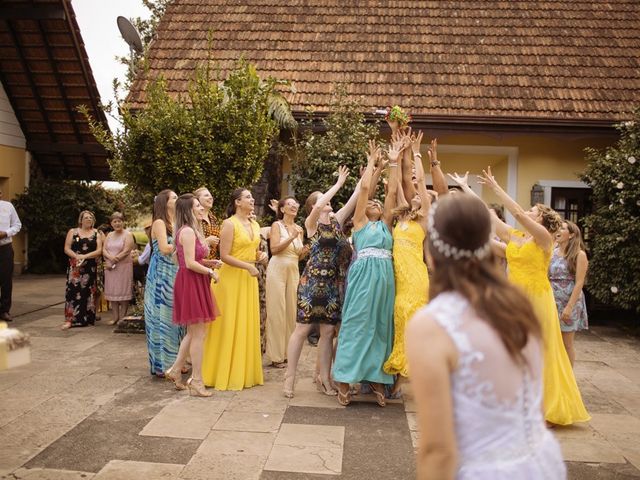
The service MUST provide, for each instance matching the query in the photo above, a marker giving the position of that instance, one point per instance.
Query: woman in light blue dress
(365, 340)
(163, 336)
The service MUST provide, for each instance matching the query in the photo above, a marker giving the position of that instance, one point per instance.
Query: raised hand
(416, 140)
(488, 179)
(463, 181)
(343, 173)
(396, 147)
(374, 152)
(433, 152)
(273, 205)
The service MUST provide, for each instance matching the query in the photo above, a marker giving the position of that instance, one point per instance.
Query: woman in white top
(282, 280)
(475, 357)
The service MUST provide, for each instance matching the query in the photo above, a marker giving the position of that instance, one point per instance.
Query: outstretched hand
(433, 151)
(396, 147)
(416, 139)
(374, 152)
(463, 181)
(343, 173)
(488, 179)
(273, 205)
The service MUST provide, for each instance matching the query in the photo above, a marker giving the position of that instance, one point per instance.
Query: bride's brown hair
(463, 221)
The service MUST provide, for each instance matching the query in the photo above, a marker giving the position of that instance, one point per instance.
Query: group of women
(86, 247)
(491, 354)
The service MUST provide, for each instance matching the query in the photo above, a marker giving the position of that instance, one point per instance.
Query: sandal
(344, 399)
(279, 364)
(176, 379)
(287, 388)
(322, 388)
(380, 400)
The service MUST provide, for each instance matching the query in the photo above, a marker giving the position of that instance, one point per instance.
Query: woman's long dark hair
(235, 195)
(160, 210)
(184, 214)
(463, 221)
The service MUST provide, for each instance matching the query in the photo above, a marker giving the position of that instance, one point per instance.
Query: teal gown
(366, 334)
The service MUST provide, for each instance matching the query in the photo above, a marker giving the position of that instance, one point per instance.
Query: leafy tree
(342, 140)
(614, 176)
(48, 208)
(218, 135)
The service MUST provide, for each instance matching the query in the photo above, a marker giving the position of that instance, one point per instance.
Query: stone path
(86, 408)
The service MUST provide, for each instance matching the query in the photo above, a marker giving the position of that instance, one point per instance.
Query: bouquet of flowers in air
(397, 114)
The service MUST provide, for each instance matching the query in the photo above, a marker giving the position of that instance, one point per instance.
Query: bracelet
(417, 155)
(393, 164)
(435, 163)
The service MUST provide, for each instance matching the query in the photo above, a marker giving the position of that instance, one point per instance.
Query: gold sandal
(176, 379)
(198, 389)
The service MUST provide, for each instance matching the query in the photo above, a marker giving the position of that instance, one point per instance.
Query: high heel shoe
(344, 399)
(198, 389)
(322, 388)
(175, 378)
(289, 383)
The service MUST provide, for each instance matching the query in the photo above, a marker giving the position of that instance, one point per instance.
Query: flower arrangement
(397, 114)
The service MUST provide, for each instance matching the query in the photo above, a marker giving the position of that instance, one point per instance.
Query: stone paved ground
(86, 408)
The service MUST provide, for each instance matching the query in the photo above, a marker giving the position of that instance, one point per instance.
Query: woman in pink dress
(118, 269)
(193, 303)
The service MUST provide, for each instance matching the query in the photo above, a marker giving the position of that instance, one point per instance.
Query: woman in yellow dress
(411, 277)
(528, 256)
(232, 354)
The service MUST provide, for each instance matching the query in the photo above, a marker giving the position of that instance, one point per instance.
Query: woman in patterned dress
(82, 245)
(567, 273)
(210, 223)
(163, 336)
(320, 292)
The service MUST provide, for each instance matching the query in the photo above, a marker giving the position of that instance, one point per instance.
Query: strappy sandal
(322, 388)
(344, 399)
(175, 378)
(380, 400)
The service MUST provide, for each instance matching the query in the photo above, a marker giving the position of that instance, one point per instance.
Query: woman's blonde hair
(87, 212)
(551, 220)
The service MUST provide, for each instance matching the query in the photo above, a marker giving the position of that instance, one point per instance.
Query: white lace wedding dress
(500, 429)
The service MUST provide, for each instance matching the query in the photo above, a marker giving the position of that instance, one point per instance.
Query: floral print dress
(80, 296)
(562, 283)
(321, 288)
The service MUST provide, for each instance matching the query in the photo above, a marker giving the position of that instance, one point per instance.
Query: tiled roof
(571, 60)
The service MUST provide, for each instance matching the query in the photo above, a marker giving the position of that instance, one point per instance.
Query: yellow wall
(13, 181)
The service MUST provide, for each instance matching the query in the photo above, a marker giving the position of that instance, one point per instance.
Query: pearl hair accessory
(450, 251)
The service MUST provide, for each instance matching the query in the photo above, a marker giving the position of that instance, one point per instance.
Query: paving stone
(320, 460)
(49, 474)
(623, 431)
(187, 417)
(226, 467)
(130, 470)
(592, 450)
(601, 471)
(293, 435)
(249, 422)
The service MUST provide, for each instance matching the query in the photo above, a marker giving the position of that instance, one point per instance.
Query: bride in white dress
(475, 359)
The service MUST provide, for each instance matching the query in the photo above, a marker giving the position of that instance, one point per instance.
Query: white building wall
(10, 132)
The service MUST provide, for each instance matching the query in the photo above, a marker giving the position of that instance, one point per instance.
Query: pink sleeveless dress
(193, 301)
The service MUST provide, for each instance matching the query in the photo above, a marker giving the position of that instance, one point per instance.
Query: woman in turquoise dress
(365, 340)
(163, 336)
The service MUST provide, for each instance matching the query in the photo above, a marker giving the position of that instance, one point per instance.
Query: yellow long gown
(232, 357)
(412, 288)
(528, 266)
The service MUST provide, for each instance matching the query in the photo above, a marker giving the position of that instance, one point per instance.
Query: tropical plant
(614, 226)
(219, 134)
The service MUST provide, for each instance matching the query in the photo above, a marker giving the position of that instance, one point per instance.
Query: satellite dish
(130, 34)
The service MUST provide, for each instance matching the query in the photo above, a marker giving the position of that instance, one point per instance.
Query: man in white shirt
(9, 226)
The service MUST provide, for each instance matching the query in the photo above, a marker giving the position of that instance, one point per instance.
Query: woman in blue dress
(365, 339)
(163, 336)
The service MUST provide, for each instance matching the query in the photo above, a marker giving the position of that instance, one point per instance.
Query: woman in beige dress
(282, 281)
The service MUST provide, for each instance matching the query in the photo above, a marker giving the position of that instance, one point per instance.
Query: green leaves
(614, 176)
(341, 139)
(218, 135)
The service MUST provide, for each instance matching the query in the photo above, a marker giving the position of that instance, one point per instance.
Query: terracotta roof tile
(539, 59)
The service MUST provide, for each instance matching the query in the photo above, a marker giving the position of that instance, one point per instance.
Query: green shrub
(614, 226)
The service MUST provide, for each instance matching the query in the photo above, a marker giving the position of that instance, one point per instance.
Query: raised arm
(439, 181)
(502, 229)
(420, 178)
(407, 168)
(345, 212)
(391, 197)
(312, 220)
(539, 233)
(360, 214)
